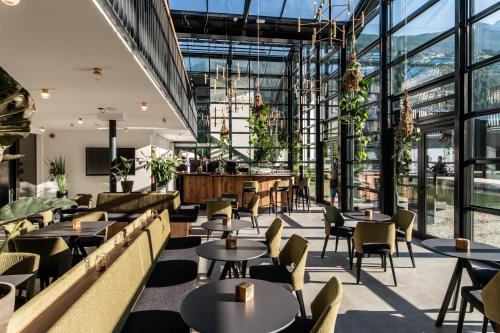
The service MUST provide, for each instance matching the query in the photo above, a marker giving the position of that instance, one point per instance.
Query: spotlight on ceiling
(144, 106)
(11, 2)
(45, 93)
(125, 129)
(98, 73)
(80, 121)
(42, 129)
(164, 120)
(72, 125)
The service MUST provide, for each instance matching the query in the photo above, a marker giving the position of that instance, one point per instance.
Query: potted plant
(123, 170)
(7, 301)
(57, 174)
(162, 168)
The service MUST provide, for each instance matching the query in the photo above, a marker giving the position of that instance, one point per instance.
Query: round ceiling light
(98, 73)
(80, 121)
(45, 93)
(42, 129)
(144, 106)
(11, 2)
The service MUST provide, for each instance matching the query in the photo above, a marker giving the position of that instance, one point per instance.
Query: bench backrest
(136, 202)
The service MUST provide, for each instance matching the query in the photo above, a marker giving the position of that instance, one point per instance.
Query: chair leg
(350, 253)
(324, 246)
(336, 243)
(393, 271)
(300, 298)
(485, 325)
(257, 225)
(397, 248)
(410, 251)
(461, 316)
(359, 259)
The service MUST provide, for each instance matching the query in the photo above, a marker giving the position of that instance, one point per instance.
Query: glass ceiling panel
(266, 8)
(299, 8)
(226, 6)
(188, 5)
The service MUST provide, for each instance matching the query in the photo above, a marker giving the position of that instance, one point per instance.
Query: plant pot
(127, 186)
(162, 188)
(62, 194)
(7, 299)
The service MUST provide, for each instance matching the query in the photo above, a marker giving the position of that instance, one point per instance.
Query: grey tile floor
(375, 305)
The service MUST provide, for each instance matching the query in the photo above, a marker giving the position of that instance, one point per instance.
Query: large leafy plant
(162, 168)
(17, 211)
(57, 172)
(260, 134)
(16, 109)
(354, 93)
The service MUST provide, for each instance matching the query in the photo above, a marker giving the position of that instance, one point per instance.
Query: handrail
(147, 28)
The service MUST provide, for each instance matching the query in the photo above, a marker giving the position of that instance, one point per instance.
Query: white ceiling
(55, 44)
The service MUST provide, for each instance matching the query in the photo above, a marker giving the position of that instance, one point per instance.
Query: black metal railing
(147, 28)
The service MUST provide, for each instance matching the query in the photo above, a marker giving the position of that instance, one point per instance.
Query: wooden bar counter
(196, 188)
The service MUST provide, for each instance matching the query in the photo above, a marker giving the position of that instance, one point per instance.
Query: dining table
(234, 258)
(213, 308)
(360, 216)
(65, 229)
(15, 279)
(478, 252)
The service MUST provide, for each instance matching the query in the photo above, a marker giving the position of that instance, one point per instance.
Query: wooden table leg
(449, 293)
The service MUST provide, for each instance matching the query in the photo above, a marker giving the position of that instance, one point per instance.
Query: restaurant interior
(241, 166)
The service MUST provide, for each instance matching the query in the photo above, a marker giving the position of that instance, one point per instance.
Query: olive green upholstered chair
(43, 218)
(491, 300)
(334, 226)
(290, 270)
(24, 228)
(21, 263)
(83, 200)
(375, 238)
(252, 209)
(324, 310)
(234, 202)
(273, 238)
(249, 186)
(91, 216)
(55, 256)
(218, 208)
(404, 220)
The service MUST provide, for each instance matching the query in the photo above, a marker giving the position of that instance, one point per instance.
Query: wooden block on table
(244, 292)
(462, 244)
(231, 243)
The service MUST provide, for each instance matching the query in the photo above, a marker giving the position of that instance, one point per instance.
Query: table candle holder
(77, 224)
(369, 213)
(244, 292)
(226, 221)
(462, 244)
(231, 243)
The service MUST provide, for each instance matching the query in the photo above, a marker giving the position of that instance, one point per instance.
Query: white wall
(71, 145)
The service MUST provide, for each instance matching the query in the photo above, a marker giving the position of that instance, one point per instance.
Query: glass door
(438, 187)
(408, 191)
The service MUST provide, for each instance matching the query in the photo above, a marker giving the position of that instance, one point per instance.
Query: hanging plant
(405, 134)
(260, 133)
(354, 93)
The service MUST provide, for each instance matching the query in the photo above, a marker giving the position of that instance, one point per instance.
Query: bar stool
(302, 192)
(250, 186)
(279, 186)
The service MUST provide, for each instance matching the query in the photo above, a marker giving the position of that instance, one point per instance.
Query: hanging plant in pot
(123, 170)
(162, 168)
(57, 174)
(405, 134)
(225, 140)
(355, 90)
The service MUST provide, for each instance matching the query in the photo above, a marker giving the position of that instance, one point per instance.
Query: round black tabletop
(245, 250)
(236, 224)
(212, 308)
(360, 216)
(478, 251)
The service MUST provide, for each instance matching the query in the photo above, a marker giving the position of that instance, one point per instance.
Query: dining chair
(252, 209)
(21, 263)
(291, 268)
(376, 238)
(83, 200)
(485, 300)
(334, 226)
(324, 309)
(12, 232)
(273, 239)
(43, 218)
(234, 203)
(404, 219)
(55, 256)
(218, 209)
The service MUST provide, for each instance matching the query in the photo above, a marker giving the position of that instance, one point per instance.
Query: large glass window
(486, 87)
(485, 37)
